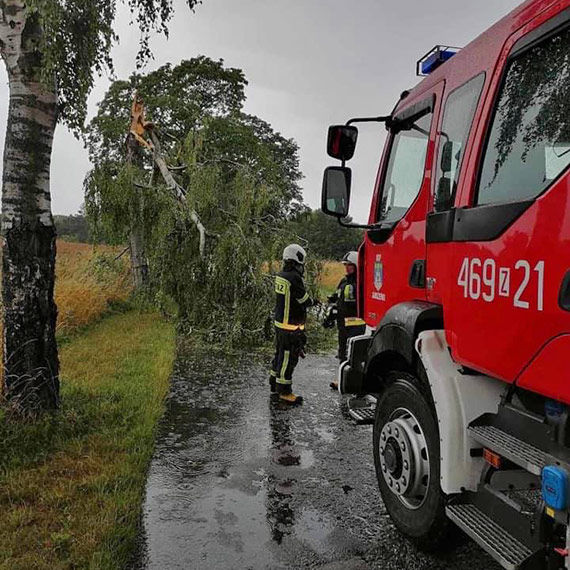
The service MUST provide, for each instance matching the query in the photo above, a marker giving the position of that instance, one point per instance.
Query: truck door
(395, 253)
(511, 236)
(458, 111)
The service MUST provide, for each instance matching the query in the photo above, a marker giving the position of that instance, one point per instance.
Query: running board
(362, 410)
(519, 452)
(509, 552)
(363, 415)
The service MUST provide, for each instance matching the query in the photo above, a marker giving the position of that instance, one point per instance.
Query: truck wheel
(406, 457)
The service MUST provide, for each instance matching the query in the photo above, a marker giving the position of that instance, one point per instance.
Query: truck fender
(392, 345)
(458, 400)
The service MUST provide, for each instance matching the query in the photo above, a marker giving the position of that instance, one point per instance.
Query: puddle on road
(236, 481)
(326, 435)
(224, 480)
(314, 529)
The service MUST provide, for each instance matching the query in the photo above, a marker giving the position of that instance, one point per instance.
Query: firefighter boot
(286, 395)
(290, 398)
(272, 383)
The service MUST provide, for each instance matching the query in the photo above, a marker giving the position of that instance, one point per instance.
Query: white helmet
(351, 258)
(295, 253)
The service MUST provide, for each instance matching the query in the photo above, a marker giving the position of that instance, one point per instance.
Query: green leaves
(327, 238)
(77, 39)
(240, 176)
(179, 100)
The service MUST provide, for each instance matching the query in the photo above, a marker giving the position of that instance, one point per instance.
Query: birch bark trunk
(30, 358)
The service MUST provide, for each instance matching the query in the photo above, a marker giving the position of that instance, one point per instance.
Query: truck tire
(406, 458)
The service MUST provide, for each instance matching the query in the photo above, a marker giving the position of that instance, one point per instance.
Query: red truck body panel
(500, 297)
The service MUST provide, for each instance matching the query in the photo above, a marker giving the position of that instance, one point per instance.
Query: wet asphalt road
(240, 483)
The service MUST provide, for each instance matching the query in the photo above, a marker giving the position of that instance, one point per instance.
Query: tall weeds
(89, 282)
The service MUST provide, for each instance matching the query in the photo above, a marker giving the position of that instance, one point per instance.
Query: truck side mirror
(446, 161)
(341, 141)
(336, 191)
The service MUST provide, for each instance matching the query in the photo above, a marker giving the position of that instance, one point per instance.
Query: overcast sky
(309, 63)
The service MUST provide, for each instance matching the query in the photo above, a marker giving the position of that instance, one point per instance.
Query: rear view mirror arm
(381, 119)
(380, 226)
(420, 130)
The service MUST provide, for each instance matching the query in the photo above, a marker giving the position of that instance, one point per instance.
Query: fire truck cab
(464, 283)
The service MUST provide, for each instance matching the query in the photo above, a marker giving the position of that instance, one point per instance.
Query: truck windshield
(529, 142)
(405, 170)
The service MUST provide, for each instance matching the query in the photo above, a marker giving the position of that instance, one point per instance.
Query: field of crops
(332, 273)
(90, 280)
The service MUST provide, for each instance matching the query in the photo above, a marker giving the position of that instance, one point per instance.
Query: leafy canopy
(238, 174)
(177, 99)
(196, 107)
(77, 39)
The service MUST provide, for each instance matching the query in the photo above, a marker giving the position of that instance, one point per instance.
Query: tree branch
(176, 188)
(122, 253)
(143, 186)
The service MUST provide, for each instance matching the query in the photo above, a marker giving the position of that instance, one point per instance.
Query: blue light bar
(434, 58)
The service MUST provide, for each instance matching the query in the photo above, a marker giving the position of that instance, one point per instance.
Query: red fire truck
(464, 283)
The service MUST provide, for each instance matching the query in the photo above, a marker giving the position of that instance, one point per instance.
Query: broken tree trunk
(176, 188)
(139, 263)
(138, 128)
(31, 365)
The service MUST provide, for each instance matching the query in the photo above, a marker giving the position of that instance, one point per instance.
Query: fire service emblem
(378, 273)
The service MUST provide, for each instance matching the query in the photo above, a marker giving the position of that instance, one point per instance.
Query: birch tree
(52, 50)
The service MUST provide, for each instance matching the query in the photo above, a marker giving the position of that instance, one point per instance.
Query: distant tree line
(324, 236)
(73, 228)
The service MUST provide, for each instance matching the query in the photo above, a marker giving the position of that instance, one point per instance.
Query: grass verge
(71, 485)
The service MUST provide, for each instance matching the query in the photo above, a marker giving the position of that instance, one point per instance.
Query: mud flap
(351, 371)
(351, 381)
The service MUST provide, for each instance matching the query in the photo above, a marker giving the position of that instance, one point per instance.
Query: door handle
(418, 274)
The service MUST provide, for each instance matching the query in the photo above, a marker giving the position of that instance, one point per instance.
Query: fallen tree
(223, 185)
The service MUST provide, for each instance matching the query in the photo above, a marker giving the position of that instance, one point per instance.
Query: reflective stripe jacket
(291, 300)
(345, 297)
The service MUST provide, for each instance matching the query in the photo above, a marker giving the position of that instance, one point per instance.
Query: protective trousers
(344, 333)
(289, 346)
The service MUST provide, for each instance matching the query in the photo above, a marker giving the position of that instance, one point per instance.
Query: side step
(495, 540)
(362, 409)
(362, 415)
(519, 452)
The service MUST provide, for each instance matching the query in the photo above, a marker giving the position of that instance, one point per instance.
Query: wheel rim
(404, 458)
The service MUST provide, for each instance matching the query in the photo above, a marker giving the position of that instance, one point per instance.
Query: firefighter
(348, 323)
(291, 302)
